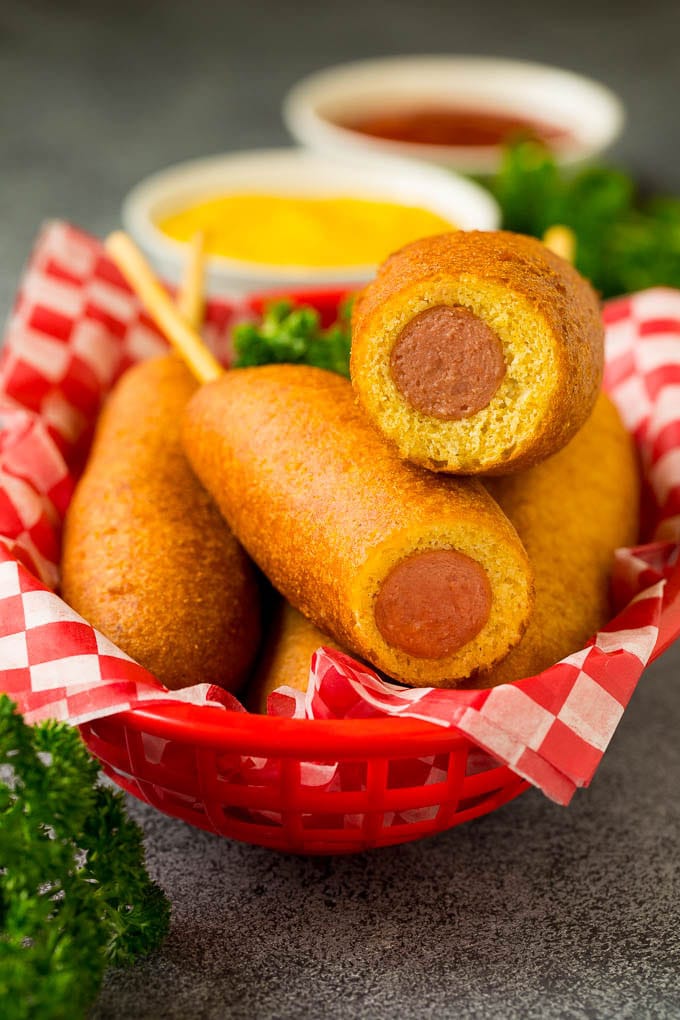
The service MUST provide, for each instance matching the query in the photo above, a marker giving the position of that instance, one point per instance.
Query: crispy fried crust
(147, 557)
(572, 511)
(547, 316)
(326, 509)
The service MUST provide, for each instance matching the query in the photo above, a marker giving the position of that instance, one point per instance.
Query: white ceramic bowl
(590, 112)
(297, 172)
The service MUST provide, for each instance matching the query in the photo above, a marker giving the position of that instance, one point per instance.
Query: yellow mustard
(288, 230)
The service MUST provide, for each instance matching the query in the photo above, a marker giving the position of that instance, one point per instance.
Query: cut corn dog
(422, 576)
(591, 488)
(477, 352)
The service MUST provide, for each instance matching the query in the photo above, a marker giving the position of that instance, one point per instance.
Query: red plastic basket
(189, 762)
(180, 758)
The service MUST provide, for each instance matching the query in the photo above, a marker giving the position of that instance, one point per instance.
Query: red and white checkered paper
(76, 326)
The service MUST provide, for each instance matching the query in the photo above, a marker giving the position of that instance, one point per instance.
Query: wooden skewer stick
(190, 298)
(562, 241)
(161, 308)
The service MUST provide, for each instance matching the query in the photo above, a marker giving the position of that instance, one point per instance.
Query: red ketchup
(452, 125)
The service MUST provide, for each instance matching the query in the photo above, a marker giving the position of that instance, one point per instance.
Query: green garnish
(622, 244)
(293, 334)
(74, 892)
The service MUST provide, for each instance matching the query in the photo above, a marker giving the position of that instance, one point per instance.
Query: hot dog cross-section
(477, 352)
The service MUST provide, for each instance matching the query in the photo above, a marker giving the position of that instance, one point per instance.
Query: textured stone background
(534, 911)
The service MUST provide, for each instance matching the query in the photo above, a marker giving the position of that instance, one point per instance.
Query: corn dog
(422, 576)
(477, 352)
(572, 511)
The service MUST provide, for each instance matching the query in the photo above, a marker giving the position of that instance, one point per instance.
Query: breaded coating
(362, 543)
(147, 557)
(572, 511)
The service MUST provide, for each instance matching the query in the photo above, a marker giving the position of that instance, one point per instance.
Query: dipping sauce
(287, 230)
(452, 125)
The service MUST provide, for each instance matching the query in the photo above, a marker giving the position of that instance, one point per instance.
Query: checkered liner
(76, 327)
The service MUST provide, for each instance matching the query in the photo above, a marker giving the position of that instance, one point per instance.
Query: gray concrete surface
(535, 911)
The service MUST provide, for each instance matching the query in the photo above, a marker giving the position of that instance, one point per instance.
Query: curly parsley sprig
(74, 892)
(623, 243)
(293, 334)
